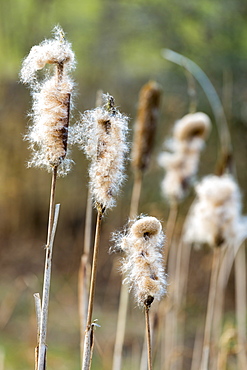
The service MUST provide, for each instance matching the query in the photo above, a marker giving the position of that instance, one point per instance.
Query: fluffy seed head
(51, 102)
(191, 126)
(142, 243)
(181, 164)
(55, 51)
(147, 115)
(101, 133)
(216, 216)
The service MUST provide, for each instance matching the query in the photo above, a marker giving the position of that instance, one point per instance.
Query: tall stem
(88, 341)
(210, 308)
(240, 288)
(148, 334)
(47, 273)
(136, 193)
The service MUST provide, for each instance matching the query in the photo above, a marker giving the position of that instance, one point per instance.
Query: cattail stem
(240, 287)
(121, 326)
(88, 341)
(53, 218)
(37, 302)
(84, 273)
(170, 226)
(136, 193)
(210, 308)
(52, 206)
(148, 335)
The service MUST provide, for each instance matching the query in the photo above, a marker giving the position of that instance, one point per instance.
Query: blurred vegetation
(118, 47)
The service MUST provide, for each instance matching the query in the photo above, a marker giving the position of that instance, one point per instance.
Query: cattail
(147, 115)
(216, 216)
(182, 162)
(142, 243)
(101, 133)
(51, 102)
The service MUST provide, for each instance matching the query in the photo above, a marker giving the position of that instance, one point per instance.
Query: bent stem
(52, 224)
(88, 340)
(148, 335)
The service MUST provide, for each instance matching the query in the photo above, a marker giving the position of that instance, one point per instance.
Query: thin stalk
(52, 223)
(121, 326)
(148, 335)
(37, 302)
(210, 308)
(84, 273)
(170, 226)
(170, 264)
(136, 193)
(240, 288)
(88, 340)
(124, 294)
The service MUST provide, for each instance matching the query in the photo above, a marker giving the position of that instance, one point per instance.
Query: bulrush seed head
(196, 125)
(216, 216)
(51, 102)
(101, 133)
(147, 116)
(142, 243)
(181, 164)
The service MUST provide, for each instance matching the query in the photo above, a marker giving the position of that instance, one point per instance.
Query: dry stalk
(88, 340)
(84, 273)
(210, 308)
(53, 218)
(148, 335)
(37, 302)
(240, 288)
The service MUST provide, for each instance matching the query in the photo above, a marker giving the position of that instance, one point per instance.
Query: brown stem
(52, 206)
(210, 308)
(47, 273)
(170, 226)
(88, 342)
(148, 334)
(136, 193)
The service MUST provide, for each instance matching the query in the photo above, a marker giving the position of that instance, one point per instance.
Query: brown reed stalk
(210, 308)
(47, 279)
(148, 336)
(240, 289)
(85, 265)
(37, 302)
(84, 273)
(89, 340)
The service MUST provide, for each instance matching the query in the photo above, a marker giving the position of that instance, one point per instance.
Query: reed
(142, 243)
(48, 139)
(101, 133)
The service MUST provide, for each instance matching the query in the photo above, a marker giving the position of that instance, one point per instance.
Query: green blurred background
(118, 47)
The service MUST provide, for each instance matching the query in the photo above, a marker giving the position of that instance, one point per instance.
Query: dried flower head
(147, 115)
(191, 126)
(182, 162)
(216, 216)
(51, 102)
(102, 133)
(142, 243)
